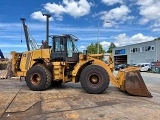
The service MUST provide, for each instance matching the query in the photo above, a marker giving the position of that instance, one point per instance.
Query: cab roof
(66, 36)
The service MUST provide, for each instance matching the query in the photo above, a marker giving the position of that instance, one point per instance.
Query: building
(106, 56)
(138, 53)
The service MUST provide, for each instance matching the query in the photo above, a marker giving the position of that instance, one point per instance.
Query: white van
(144, 66)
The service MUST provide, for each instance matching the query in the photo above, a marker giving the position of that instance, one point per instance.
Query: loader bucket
(131, 81)
(134, 83)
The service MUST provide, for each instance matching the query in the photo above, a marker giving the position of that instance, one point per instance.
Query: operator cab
(64, 49)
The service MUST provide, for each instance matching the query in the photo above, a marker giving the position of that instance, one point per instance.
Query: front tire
(38, 78)
(94, 79)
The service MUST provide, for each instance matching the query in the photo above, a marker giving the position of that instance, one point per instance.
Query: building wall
(141, 52)
(157, 50)
(106, 56)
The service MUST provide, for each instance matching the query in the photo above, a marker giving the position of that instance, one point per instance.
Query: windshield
(65, 42)
(72, 43)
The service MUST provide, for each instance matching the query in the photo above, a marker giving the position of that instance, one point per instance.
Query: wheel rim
(35, 79)
(94, 79)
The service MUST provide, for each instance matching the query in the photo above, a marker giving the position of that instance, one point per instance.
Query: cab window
(69, 48)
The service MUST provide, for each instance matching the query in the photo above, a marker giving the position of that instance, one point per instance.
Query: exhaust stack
(47, 28)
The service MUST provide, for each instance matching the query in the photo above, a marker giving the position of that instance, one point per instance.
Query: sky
(122, 22)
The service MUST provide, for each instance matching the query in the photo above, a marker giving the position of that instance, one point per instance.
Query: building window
(131, 50)
(146, 48)
(138, 49)
(149, 48)
(142, 49)
(134, 50)
(152, 48)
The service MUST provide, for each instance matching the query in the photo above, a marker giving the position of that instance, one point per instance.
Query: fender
(79, 67)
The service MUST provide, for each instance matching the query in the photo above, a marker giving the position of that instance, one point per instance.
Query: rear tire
(94, 79)
(38, 78)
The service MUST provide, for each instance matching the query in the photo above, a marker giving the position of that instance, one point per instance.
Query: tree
(112, 45)
(92, 48)
(157, 38)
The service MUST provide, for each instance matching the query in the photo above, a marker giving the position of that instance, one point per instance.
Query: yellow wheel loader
(61, 62)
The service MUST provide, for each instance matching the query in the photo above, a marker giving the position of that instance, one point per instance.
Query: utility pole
(98, 37)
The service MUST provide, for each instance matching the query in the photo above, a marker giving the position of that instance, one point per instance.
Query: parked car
(144, 66)
(155, 67)
(120, 66)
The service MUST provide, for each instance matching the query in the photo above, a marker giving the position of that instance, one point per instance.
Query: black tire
(38, 78)
(94, 79)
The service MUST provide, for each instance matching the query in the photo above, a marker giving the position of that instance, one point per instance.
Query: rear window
(146, 64)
